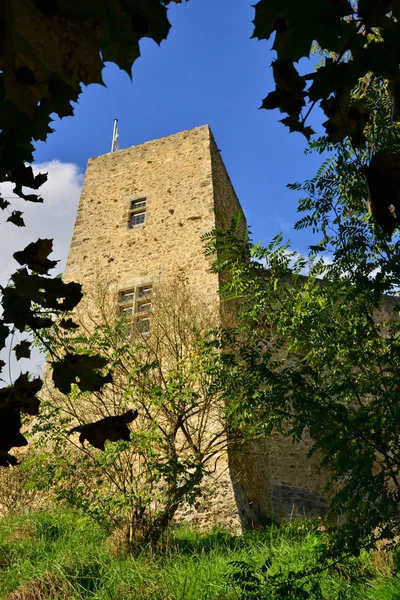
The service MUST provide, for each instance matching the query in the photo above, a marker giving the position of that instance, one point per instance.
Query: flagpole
(113, 135)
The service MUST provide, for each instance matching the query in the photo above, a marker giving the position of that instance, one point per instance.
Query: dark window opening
(137, 212)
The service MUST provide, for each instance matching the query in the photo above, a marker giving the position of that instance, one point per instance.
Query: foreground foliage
(322, 353)
(47, 50)
(167, 382)
(359, 37)
(61, 554)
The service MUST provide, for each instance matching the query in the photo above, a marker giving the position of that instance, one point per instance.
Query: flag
(116, 136)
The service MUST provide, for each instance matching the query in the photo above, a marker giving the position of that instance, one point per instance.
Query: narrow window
(126, 303)
(136, 302)
(144, 307)
(143, 326)
(135, 204)
(128, 297)
(145, 291)
(137, 212)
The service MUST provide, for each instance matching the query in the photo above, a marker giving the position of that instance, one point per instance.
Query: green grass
(63, 555)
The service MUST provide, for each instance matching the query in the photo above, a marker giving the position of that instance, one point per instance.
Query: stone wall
(174, 174)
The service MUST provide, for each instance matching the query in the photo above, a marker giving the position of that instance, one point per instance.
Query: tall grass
(63, 555)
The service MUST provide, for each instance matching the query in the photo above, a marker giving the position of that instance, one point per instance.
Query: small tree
(171, 375)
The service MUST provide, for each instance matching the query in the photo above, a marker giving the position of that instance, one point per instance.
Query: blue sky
(207, 71)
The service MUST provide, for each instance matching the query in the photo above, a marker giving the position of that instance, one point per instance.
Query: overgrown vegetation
(321, 357)
(62, 554)
(172, 376)
(38, 80)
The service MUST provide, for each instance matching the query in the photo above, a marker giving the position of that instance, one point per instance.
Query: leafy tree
(358, 36)
(321, 356)
(171, 376)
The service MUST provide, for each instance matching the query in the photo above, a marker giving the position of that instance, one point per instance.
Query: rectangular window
(137, 219)
(137, 212)
(145, 291)
(144, 307)
(136, 302)
(128, 297)
(143, 326)
(135, 204)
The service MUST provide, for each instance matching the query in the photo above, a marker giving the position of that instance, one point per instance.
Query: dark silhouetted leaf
(383, 178)
(109, 428)
(29, 289)
(35, 256)
(10, 424)
(346, 119)
(68, 324)
(4, 333)
(289, 93)
(295, 125)
(298, 24)
(7, 460)
(22, 350)
(16, 218)
(22, 394)
(81, 369)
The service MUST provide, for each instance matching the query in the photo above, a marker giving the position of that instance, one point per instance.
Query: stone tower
(141, 216)
(144, 209)
(140, 219)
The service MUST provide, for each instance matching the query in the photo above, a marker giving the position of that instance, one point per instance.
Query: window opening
(137, 219)
(128, 297)
(137, 212)
(143, 325)
(145, 292)
(134, 302)
(135, 204)
(144, 307)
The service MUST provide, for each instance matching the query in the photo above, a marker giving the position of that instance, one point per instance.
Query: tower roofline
(154, 140)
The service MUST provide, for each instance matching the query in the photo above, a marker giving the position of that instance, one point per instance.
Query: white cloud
(53, 219)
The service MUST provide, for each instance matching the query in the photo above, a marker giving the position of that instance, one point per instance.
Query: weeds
(63, 555)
